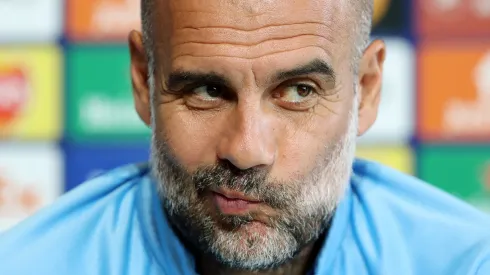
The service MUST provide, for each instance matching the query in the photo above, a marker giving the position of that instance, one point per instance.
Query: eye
(205, 97)
(303, 90)
(208, 92)
(296, 93)
(296, 96)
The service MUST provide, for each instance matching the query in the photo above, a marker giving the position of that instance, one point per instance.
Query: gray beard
(304, 204)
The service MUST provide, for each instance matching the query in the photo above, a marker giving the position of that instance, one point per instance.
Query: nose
(248, 140)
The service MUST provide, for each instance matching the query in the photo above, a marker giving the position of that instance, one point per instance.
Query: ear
(370, 80)
(139, 77)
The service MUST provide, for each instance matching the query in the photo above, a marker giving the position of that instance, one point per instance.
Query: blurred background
(66, 109)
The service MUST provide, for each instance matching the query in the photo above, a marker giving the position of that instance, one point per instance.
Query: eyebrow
(181, 78)
(316, 66)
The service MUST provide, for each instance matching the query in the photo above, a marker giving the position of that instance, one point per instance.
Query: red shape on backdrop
(13, 93)
(449, 18)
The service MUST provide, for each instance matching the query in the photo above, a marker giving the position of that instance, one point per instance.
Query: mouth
(234, 203)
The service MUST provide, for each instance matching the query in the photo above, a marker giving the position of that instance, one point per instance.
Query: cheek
(191, 137)
(306, 144)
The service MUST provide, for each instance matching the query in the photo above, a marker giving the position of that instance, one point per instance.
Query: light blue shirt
(388, 223)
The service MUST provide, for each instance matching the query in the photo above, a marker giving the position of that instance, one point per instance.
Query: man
(255, 107)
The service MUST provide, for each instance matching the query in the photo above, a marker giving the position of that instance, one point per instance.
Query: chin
(253, 246)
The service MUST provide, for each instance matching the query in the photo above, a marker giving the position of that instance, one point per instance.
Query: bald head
(361, 13)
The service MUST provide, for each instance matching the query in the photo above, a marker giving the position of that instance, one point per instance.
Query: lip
(234, 206)
(233, 203)
(234, 195)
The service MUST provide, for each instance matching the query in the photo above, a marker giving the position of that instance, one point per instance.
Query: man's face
(254, 119)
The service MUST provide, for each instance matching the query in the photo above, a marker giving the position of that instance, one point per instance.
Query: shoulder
(484, 267)
(431, 226)
(415, 198)
(62, 229)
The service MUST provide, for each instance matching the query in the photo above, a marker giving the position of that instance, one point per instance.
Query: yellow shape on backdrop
(380, 9)
(31, 92)
(399, 158)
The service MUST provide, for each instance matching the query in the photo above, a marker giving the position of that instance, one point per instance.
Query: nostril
(228, 165)
(238, 172)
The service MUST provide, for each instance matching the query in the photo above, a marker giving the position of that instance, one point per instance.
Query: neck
(301, 264)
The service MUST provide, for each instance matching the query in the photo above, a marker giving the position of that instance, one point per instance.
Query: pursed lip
(234, 203)
(234, 195)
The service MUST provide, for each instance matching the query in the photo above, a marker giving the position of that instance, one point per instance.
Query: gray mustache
(252, 182)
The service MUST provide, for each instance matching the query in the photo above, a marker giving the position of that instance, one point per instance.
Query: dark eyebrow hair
(180, 78)
(316, 66)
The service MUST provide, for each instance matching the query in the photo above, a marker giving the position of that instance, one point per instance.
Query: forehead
(254, 32)
(260, 11)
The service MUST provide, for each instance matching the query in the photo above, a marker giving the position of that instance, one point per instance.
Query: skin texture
(287, 140)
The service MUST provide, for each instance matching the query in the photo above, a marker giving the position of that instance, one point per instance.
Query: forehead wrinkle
(250, 45)
(269, 40)
(174, 58)
(232, 35)
(256, 27)
(264, 48)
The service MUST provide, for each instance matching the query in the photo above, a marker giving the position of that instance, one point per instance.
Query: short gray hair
(147, 26)
(362, 29)
(363, 15)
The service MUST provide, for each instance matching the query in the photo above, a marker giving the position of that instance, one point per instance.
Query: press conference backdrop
(66, 110)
